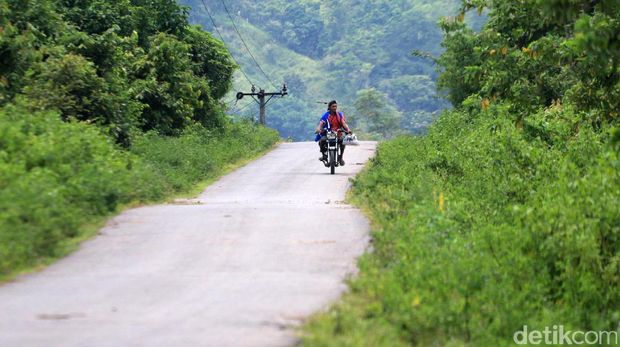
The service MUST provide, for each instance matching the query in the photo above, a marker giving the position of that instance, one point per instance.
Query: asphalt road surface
(241, 265)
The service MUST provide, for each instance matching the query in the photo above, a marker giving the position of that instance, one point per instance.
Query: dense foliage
(54, 175)
(125, 65)
(506, 213)
(328, 50)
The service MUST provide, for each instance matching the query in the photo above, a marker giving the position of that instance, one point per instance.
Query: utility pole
(261, 94)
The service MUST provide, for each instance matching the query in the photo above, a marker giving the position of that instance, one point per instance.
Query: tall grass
(201, 153)
(57, 177)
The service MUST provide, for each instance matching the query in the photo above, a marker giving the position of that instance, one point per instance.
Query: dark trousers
(323, 146)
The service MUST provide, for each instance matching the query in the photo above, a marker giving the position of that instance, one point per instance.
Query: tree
(69, 83)
(570, 54)
(211, 60)
(376, 114)
(123, 65)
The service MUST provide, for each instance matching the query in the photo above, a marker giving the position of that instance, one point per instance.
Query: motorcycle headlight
(331, 136)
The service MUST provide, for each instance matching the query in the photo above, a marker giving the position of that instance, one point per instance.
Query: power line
(244, 106)
(237, 110)
(224, 42)
(232, 105)
(245, 44)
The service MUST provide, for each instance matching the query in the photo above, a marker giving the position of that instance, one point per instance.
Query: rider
(332, 119)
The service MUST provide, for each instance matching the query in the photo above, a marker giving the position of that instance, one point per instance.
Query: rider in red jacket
(332, 119)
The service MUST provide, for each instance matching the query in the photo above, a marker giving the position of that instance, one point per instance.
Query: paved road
(241, 265)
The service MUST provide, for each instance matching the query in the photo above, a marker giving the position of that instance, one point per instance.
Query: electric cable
(246, 46)
(244, 106)
(224, 42)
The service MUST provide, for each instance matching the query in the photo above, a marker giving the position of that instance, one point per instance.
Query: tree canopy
(126, 65)
(569, 55)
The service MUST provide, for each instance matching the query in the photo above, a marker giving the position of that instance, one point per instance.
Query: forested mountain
(343, 50)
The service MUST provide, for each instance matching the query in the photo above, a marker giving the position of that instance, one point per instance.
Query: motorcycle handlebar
(344, 131)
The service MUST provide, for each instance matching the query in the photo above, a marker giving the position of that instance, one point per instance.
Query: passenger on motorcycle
(334, 120)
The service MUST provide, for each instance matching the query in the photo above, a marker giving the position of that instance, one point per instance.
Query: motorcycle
(333, 148)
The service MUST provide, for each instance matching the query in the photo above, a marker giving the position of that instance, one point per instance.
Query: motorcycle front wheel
(332, 161)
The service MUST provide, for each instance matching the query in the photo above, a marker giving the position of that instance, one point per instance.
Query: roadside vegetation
(506, 213)
(105, 105)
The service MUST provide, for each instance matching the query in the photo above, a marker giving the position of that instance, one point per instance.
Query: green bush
(201, 153)
(483, 228)
(56, 177)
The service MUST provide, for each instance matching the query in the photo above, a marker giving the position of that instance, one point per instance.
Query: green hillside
(328, 50)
